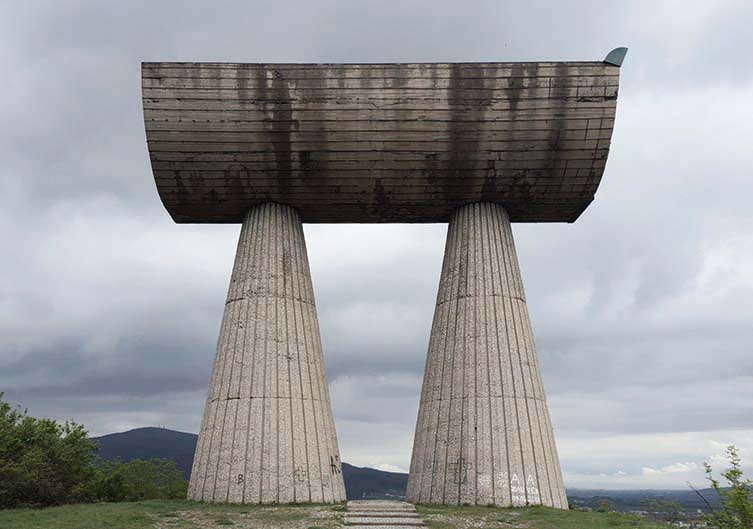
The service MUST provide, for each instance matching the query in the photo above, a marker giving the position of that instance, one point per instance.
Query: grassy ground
(158, 514)
(189, 515)
(529, 518)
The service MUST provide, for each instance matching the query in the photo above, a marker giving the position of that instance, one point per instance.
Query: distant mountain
(148, 443)
(368, 483)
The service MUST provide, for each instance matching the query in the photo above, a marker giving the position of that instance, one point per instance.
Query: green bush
(42, 462)
(139, 480)
(737, 506)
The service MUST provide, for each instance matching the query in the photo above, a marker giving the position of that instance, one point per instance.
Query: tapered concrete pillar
(483, 434)
(268, 435)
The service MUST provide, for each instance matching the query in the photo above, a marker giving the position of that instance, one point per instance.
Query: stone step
(384, 511)
(382, 503)
(388, 514)
(381, 509)
(409, 508)
(367, 520)
(381, 526)
(382, 514)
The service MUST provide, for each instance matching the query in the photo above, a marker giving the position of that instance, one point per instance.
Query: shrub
(42, 462)
(139, 480)
(737, 506)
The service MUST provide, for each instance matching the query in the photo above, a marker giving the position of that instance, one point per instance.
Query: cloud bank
(109, 312)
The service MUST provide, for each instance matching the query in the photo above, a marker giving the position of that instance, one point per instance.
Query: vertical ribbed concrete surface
(268, 435)
(483, 434)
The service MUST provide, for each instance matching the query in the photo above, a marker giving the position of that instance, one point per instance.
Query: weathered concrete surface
(378, 142)
(268, 435)
(386, 514)
(483, 434)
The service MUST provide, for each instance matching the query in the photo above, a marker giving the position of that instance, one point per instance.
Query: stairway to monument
(382, 514)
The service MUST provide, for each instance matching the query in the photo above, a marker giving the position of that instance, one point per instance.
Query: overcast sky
(642, 310)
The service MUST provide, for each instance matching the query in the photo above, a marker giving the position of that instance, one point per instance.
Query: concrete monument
(478, 145)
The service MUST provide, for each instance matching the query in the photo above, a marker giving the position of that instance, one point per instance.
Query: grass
(158, 514)
(440, 517)
(161, 514)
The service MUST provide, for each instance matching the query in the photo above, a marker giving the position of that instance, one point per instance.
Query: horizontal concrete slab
(378, 142)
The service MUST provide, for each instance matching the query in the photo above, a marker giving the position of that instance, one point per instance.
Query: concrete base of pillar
(268, 435)
(483, 435)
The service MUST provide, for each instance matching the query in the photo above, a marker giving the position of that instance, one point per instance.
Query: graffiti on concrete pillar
(517, 491)
(334, 464)
(501, 481)
(301, 474)
(534, 498)
(484, 484)
(458, 470)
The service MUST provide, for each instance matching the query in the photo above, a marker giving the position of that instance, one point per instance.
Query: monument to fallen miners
(478, 145)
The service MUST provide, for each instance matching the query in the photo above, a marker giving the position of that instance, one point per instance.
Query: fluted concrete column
(268, 435)
(483, 434)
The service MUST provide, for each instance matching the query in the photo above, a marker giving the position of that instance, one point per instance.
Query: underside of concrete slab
(483, 435)
(267, 435)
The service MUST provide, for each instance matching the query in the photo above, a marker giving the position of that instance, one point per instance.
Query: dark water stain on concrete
(274, 89)
(461, 147)
(316, 162)
(559, 121)
(516, 85)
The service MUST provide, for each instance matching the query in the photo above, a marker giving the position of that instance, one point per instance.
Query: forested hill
(149, 443)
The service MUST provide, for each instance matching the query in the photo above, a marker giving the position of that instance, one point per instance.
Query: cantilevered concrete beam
(483, 434)
(268, 435)
(379, 142)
